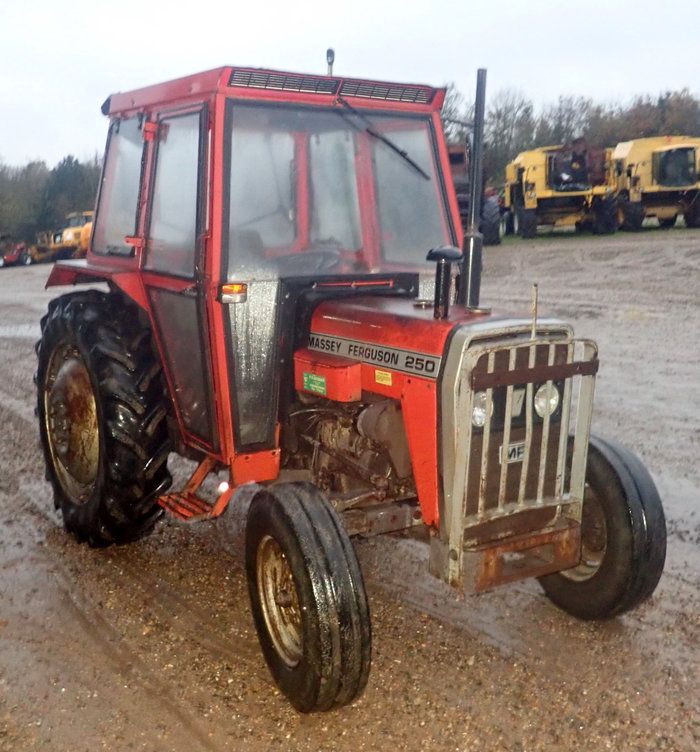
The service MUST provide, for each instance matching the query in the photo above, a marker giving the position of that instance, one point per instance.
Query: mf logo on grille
(513, 452)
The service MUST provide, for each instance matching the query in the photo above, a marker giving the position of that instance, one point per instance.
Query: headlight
(546, 400)
(481, 409)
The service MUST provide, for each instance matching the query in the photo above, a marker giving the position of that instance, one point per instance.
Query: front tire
(307, 597)
(632, 215)
(102, 417)
(527, 223)
(623, 538)
(605, 216)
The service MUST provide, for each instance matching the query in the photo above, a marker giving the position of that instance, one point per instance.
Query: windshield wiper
(379, 136)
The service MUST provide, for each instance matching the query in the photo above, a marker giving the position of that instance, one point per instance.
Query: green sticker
(314, 383)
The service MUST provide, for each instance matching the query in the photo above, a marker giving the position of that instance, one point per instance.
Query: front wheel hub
(279, 600)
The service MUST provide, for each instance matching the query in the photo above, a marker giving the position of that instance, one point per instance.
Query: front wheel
(307, 597)
(527, 223)
(605, 218)
(623, 538)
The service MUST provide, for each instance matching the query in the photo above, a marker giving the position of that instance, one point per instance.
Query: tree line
(513, 125)
(35, 198)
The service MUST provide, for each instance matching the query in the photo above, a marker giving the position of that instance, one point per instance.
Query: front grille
(513, 474)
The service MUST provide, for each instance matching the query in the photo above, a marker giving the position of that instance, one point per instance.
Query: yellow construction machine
(658, 177)
(70, 242)
(560, 186)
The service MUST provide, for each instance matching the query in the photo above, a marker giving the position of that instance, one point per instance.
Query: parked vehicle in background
(10, 252)
(560, 186)
(657, 177)
(70, 242)
(491, 217)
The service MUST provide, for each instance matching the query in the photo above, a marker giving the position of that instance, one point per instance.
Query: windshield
(331, 191)
(675, 167)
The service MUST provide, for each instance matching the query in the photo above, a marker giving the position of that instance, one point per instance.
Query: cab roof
(260, 83)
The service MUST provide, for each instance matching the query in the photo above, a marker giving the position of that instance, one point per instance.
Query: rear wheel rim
(279, 601)
(71, 424)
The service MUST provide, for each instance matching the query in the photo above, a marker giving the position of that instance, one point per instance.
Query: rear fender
(79, 273)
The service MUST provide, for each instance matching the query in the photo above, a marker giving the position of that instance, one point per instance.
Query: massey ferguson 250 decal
(406, 361)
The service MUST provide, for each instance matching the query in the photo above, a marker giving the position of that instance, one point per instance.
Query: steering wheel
(310, 262)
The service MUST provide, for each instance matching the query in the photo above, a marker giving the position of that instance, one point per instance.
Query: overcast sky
(60, 60)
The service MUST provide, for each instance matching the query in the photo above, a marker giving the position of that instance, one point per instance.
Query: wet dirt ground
(152, 647)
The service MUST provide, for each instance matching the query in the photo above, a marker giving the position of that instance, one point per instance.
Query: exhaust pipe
(472, 246)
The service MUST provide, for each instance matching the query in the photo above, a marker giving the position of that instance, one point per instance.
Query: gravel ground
(152, 647)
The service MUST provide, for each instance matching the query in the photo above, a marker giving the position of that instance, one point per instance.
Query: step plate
(187, 506)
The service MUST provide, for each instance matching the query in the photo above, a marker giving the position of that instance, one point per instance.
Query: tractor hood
(402, 334)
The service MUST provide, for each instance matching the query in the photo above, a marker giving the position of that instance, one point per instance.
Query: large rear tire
(623, 538)
(491, 220)
(692, 213)
(102, 417)
(307, 597)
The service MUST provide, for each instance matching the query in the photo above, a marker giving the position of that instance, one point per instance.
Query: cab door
(173, 269)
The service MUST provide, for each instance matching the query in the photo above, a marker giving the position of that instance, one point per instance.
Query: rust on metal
(523, 556)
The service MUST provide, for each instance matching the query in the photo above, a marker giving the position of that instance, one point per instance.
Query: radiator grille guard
(520, 477)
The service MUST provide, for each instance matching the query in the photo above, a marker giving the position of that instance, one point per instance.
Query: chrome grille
(488, 497)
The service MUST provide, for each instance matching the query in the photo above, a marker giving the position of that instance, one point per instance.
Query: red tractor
(273, 312)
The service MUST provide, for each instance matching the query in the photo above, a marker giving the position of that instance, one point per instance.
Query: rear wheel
(623, 538)
(692, 213)
(307, 597)
(102, 417)
(491, 220)
(26, 259)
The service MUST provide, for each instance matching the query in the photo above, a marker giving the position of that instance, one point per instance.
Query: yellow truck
(658, 177)
(560, 186)
(70, 242)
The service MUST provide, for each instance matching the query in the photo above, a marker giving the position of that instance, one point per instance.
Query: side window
(119, 194)
(174, 225)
